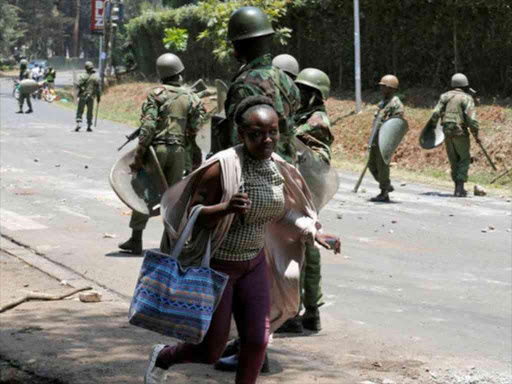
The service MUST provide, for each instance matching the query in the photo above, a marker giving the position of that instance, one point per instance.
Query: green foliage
(215, 14)
(175, 39)
(10, 31)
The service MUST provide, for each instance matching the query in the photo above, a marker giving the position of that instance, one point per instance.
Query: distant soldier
(456, 108)
(50, 76)
(288, 64)
(313, 129)
(389, 107)
(24, 74)
(170, 115)
(250, 31)
(88, 90)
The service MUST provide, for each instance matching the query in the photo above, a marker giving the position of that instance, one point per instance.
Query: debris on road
(90, 297)
(484, 230)
(394, 221)
(109, 236)
(339, 216)
(491, 227)
(36, 160)
(39, 296)
(479, 190)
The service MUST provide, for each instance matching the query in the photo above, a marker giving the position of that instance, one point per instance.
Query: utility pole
(357, 55)
(107, 22)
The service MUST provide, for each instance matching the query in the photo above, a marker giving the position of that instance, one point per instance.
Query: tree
(11, 28)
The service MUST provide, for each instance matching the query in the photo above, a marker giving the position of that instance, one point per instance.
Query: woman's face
(261, 133)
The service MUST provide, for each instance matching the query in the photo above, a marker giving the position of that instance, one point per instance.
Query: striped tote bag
(174, 301)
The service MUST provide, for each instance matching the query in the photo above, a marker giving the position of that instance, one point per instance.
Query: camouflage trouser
(311, 279)
(457, 148)
(82, 103)
(193, 155)
(379, 169)
(22, 99)
(172, 162)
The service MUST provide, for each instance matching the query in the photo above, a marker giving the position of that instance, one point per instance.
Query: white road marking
(76, 154)
(73, 213)
(16, 222)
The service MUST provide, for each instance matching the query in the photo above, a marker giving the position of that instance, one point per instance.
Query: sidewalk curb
(59, 272)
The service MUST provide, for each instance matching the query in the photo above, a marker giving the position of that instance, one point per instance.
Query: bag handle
(187, 231)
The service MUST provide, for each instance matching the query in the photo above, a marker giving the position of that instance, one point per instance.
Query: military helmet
(23, 63)
(168, 65)
(287, 63)
(316, 79)
(459, 80)
(390, 81)
(89, 65)
(248, 22)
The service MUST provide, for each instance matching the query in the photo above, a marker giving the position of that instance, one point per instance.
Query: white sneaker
(154, 375)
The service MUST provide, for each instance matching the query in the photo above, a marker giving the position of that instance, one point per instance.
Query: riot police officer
(88, 90)
(390, 106)
(24, 74)
(313, 128)
(171, 117)
(456, 108)
(250, 32)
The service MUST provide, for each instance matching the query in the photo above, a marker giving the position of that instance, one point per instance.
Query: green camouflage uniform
(88, 90)
(457, 112)
(171, 118)
(24, 74)
(260, 77)
(388, 108)
(313, 128)
(50, 78)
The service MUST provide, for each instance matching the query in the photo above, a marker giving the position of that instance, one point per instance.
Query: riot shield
(391, 134)
(222, 93)
(219, 129)
(432, 135)
(143, 191)
(323, 180)
(28, 86)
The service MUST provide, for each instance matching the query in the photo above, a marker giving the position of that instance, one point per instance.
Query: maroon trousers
(247, 297)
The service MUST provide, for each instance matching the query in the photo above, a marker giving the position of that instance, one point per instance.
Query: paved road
(418, 279)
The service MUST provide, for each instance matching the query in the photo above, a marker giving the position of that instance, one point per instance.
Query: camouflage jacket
(89, 85)
(260, 77)
(25, 74)
(313, 128)
(457, 112)
(170, 115)
(390, 107)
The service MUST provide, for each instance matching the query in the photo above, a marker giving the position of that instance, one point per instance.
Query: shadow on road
(122, 254)
(437, 194)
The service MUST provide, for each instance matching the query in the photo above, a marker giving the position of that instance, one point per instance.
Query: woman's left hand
(329, 242)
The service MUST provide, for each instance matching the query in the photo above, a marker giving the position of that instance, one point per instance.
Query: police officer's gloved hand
(138, 161)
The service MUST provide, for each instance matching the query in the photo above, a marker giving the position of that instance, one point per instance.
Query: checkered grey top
(264, 184)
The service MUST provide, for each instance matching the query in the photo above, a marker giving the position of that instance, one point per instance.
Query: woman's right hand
(239, 203)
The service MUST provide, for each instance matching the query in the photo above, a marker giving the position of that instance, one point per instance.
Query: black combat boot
(230, 364)
(382, 197)
(311, 319)
(30, 110)
(293, 325)
(133, 244)
(89, 129)
(460, 191)
(20, 111)
(77, 127)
